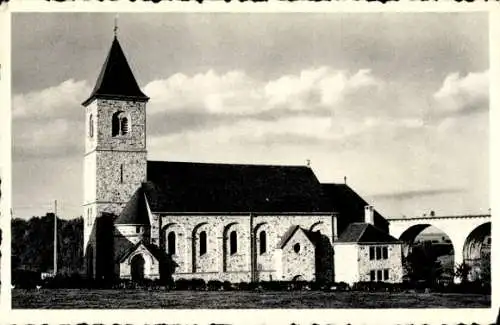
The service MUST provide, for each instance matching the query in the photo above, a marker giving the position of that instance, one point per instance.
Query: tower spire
(115, 28)
(116, 80)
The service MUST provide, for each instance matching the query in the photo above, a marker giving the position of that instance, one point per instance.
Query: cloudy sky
(398, 103)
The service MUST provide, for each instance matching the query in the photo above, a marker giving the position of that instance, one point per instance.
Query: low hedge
(77, 281)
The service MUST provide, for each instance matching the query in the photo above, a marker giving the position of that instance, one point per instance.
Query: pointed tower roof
(136, 210)
(116, 80)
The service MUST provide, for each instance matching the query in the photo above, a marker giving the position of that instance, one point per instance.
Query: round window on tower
(296, 248)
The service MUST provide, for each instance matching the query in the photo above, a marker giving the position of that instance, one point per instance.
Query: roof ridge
(224, 163)
(366, 225)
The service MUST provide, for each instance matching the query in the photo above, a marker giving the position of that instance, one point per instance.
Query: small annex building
(229, 222)
(369, 253)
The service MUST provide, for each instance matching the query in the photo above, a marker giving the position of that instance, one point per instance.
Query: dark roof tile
(364, 233)
(351, 207)
(205, 187)
(136, 210)
(116, 80)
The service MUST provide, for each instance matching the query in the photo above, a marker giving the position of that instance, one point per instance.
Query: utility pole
(55, 237)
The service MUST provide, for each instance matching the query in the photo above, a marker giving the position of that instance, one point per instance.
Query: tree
(462, 272)
(32, 244)
(485, 269)
(422, 265)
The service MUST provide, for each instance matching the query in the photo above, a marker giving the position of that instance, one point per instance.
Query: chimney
(369, 212)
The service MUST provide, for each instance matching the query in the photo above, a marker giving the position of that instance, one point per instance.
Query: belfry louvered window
(124, 125)
(120, 124)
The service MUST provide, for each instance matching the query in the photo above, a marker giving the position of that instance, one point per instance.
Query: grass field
(114, 299)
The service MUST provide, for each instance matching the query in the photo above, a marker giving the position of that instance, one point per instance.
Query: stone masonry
(247, 264)
(393, 263)
(114, 166)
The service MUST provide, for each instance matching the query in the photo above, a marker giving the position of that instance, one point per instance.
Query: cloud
(463, 94)
(48, 122)
(313, 106)
(416, 194)
(57, 101)
(236, 93)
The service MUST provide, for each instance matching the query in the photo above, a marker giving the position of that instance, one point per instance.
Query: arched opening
(428, 255)
(171, 244)
(233, 242)
(229, 245)
(262, 242)
(198, 245)
(137, 268)
(203, 243)
(477, 253)
(115, 124)
(91, 125)
(120, 124)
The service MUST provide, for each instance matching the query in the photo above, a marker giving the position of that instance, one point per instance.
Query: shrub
(182, 284)
(377, 286)
(214, 285)
(190, 284)
(226, 285)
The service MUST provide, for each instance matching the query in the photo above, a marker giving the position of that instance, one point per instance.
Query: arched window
(203, 243)
(233, 242)
(91, 125)
(262, 242)
(171, 243)
(119, 124)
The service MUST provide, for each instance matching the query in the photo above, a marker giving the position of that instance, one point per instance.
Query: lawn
(114, 299)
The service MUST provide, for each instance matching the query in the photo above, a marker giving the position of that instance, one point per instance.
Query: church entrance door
(137, 268)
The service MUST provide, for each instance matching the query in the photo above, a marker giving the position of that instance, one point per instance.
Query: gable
(139, 248)
(296, 232)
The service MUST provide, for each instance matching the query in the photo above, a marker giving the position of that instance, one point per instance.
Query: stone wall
(91, 141)
(247, 263)
(233, 277)
(114, 166)
(151, 266)
(298, 259)
(110, 166)
(394, 262)
(136, 137)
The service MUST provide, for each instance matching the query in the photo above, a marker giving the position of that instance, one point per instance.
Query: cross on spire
(115, 29)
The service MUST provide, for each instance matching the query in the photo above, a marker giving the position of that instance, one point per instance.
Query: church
(229, 222)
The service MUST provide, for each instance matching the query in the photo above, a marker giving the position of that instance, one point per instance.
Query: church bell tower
(115, 149)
